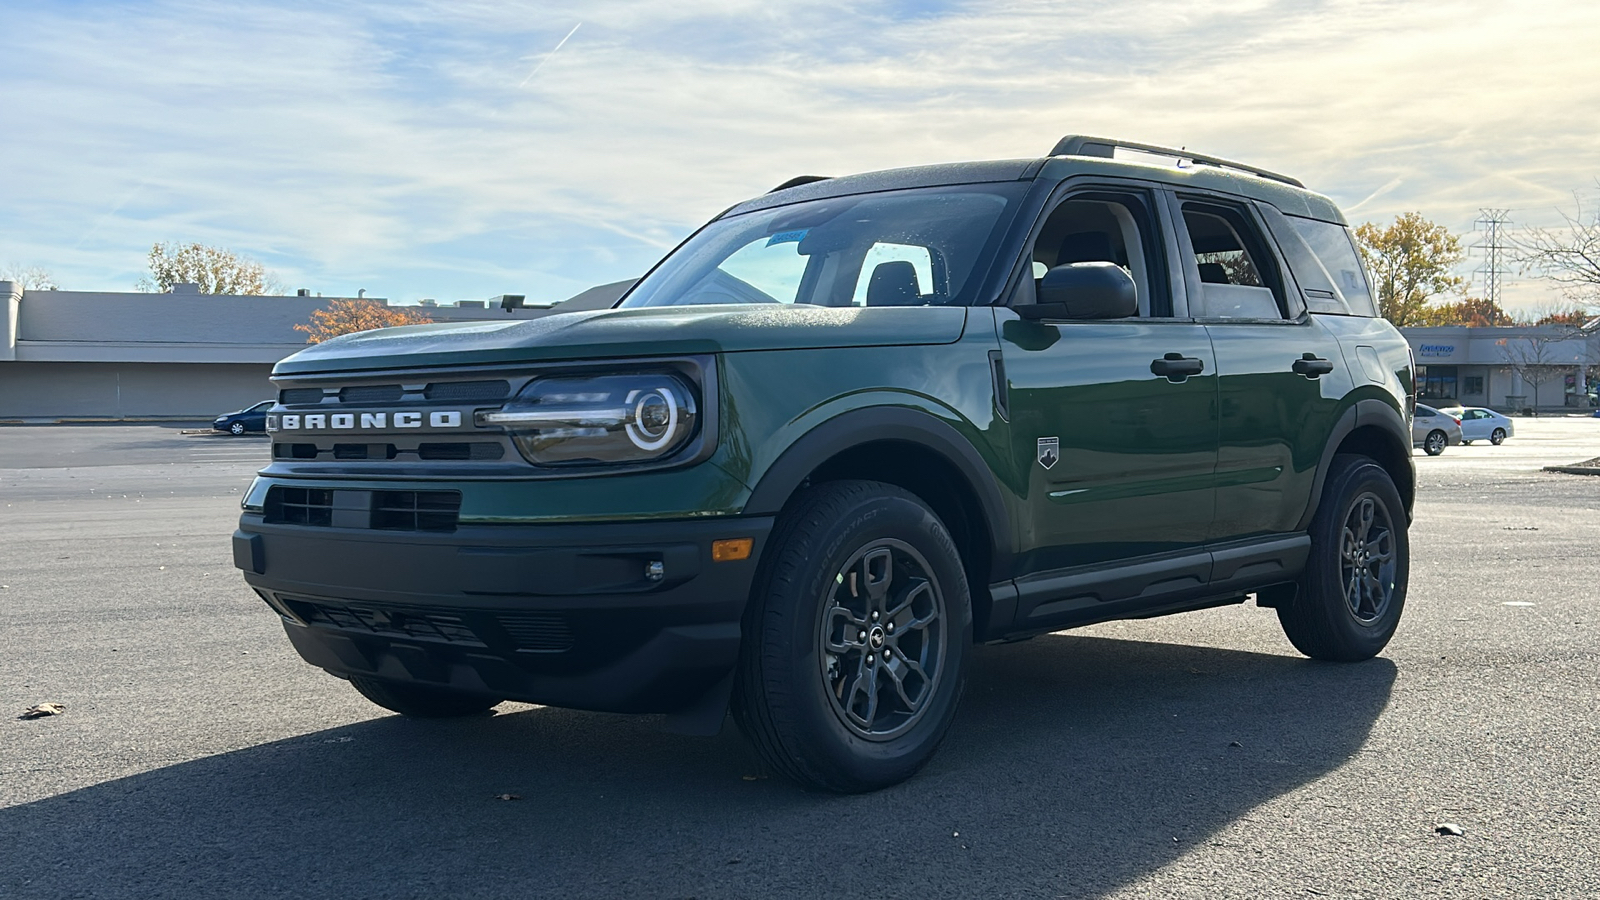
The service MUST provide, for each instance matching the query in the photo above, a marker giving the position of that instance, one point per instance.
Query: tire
(1497, 437)
(1466, 443)
(236, 428)
(1435, 442)
(419, 702)
(1324, 621)
(854, 558)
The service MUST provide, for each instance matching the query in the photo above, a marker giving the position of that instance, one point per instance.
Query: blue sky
(438, 149)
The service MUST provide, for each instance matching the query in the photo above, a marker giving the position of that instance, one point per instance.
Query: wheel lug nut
(861, 636)
(874, 615)
(889, 628)
(886, 656)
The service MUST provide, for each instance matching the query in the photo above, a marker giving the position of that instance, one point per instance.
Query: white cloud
(403, 148)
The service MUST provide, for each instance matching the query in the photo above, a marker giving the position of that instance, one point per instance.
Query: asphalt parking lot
(1193, 756)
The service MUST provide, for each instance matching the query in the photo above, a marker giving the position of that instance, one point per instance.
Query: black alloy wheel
(883, 639)
(1497, 437)
(1349, 599)
(855, 638)
(1434, 443)
(236, 428)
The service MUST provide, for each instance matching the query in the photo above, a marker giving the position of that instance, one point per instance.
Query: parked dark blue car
(251, 419)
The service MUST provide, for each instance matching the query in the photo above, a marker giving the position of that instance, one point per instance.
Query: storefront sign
(1436, 350)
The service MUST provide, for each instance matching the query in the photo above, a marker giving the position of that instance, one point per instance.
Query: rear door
(1281, 375)
(1120, 458)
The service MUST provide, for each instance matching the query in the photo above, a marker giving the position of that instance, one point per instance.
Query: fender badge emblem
(1049, 451)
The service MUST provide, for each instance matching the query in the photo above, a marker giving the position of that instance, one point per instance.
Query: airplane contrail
(550, 54)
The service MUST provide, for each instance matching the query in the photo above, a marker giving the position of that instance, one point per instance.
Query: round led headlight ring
(655, 418)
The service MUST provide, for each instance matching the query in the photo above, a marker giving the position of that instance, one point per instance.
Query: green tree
(1411, 262)
(215, 270)
(351, 316)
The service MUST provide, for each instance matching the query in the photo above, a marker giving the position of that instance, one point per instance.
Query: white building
(100, 355)
(1508, 369)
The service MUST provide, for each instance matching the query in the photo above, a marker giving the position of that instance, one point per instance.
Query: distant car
(1479, 424)
(1433, 430)
(251, 419)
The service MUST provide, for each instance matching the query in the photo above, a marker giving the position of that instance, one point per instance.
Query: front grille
(428, 626)
(299, 396)
(415, 510)
(299, 506)
(371, 393)
(438, 391)
(538, 632)
(383, 510)
(433, 450)
(467, 391)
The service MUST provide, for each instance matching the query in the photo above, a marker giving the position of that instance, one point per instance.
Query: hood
(618, 333)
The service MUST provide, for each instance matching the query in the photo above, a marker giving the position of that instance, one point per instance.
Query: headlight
(598, 419)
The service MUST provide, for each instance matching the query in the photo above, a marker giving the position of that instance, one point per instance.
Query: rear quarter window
(1335, 250)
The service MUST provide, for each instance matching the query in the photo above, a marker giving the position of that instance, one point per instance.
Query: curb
(1574, 470)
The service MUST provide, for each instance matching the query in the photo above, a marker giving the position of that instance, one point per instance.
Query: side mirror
(1086, 290)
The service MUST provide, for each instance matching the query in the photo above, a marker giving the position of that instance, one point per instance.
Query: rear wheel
(855, 642)
(421, 702)
(1498, 437)
(1354, 586)
(1434, 443)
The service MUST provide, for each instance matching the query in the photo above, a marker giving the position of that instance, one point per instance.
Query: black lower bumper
(615, 617)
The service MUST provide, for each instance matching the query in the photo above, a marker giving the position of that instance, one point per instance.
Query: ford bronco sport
(843, 432)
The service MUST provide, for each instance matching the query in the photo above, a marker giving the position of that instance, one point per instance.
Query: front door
(1115, 420)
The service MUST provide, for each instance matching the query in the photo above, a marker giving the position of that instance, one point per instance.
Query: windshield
(921, 247)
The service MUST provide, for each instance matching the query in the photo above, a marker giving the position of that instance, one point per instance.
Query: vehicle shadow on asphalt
(1077, 765)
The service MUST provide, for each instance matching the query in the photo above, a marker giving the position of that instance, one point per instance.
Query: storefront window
(1472, 385)
(1436, 382)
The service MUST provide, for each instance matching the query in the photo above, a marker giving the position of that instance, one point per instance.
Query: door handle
(1311, 365)
(1175, 367)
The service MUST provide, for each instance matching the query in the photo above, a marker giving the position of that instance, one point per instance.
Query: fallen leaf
(508, 796)
(44, 709)
(1450, 829)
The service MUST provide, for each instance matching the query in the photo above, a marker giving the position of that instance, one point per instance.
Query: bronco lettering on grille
(433, 420)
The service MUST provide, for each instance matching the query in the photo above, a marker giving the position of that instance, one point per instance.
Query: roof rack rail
(797, 181)
(1083, 145)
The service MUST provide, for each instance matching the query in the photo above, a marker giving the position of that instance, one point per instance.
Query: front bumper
(563, 615)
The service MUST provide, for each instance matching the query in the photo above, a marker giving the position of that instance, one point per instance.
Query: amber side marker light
(731, 550)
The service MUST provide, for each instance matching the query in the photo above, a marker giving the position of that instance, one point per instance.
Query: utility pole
(1492, 222)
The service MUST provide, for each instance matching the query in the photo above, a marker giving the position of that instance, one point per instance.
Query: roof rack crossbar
(1105, 148)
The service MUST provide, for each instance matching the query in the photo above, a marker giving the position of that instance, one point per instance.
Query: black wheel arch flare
(861, 427)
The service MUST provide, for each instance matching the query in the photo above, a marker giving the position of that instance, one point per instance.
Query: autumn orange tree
(1411, 261)
(350, 316)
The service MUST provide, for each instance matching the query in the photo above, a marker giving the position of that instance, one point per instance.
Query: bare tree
(1537, 357)
(30, 278)
(215, 270)
(1568, 256)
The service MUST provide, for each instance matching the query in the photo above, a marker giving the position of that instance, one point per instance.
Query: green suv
(843, 432)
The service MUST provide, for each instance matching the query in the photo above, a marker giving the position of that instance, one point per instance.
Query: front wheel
(236, 428)
(1498, 437)
(855, 642)
(1354, 585)
(1434, 443)
(422, 702)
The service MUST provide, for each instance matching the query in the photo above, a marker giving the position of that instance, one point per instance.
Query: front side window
(915, 247)
(1106, 227)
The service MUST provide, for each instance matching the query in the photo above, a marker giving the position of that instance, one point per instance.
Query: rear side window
(1337, 253)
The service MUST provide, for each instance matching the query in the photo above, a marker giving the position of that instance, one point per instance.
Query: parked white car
(1479, 424)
